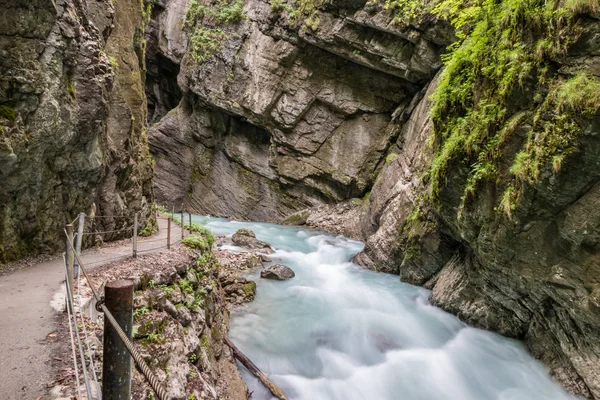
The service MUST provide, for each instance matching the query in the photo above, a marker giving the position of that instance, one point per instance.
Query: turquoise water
(338, 331)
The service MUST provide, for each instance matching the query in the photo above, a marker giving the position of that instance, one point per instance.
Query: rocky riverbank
(182, 302)
(477, 178)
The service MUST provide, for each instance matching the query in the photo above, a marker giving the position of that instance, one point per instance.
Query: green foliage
(113, 62)
(139, 312)
(367, 197)
(204, 341)
(579, 7)
(147, 7)
(205, 42)
(71, 89)
(154, 338)
(162, 210)
(148, 230)
(207, 23)
(166, 289)
(8, 112)
(556, 129)
(197, 228)
(300, 11)
(199, 299)
(186, 286)
(505, 48)
(196, 242)
(201, 262)
(391, 158)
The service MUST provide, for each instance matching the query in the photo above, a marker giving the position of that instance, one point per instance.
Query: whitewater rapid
(339, 332)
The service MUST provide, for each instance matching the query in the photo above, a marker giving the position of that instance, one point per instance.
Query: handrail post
(116, 368)
(156, 217)
(78, 244)
(135, 234)
(70, 257)
(168, 233)
(182, 225)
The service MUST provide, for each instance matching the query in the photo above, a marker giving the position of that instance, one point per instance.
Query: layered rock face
(270, 125)
(525, 265)
(330, 122)
(72, 113)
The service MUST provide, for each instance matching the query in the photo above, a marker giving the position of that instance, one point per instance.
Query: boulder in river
(278, 271)
(246, 238)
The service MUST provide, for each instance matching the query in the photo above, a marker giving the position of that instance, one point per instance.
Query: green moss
(300, 11)
(8, 112)
(186, 286)
(505, 49)
(113, 62)
(148, 230)
(391, 158)
(204, 232)
(249, 288)
(367, 197)
(204, 342)
(147, 7)
(207, 24)
(71, 89)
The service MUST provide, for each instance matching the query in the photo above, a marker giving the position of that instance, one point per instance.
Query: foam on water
(338, 331)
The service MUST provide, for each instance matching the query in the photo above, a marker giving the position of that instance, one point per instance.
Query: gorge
(457, 139)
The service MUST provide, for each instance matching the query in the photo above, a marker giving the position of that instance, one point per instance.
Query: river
(340, 332)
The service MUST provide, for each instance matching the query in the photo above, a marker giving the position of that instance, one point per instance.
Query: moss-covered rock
(71, 126)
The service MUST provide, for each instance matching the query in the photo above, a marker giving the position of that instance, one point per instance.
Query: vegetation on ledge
(207, 25)
(501, 76)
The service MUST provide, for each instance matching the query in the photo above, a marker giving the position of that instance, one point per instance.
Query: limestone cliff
(478, 180)
(268, 124)
(72, 114)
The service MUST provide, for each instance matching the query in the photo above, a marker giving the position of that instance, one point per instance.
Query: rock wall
(335, 122)
(72, 112)
(180, 320)
(269, 125)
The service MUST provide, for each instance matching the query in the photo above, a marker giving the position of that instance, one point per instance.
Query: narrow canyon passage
(338, 331)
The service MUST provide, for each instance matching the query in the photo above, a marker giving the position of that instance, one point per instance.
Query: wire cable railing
(111, 231)
(70, 306)
(79, 341)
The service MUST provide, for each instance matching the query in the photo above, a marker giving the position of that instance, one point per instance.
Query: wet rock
(247, 238)
(241, 291)
(184, 316)
(61, 92)
(298, 218)
(278, 272)
(170, 309)
(140, 300)
(176, 295)
(282, 131)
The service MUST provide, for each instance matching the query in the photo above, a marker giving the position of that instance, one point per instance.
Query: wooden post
(116, 366)
(168, 233)
(70, 256)
(78, 244)
(182, 225)
(135, 234)
(190, 218)
(156, 216)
